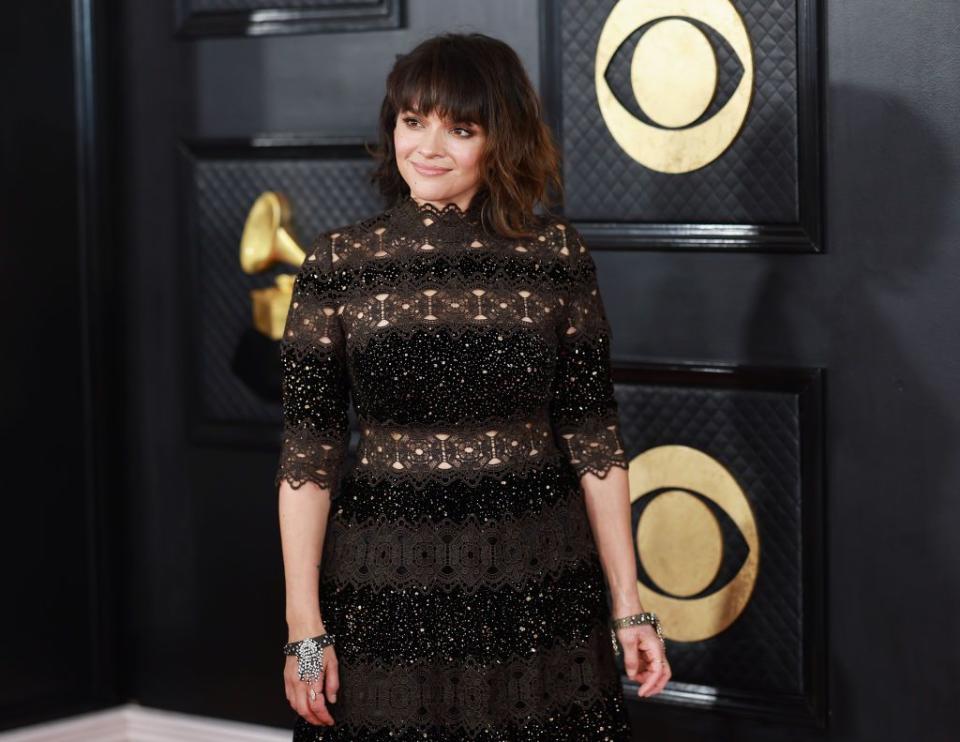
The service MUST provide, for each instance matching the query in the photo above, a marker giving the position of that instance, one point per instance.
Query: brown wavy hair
(478, 79)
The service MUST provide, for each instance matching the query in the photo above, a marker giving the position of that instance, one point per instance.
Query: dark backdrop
(63, 519)
(128, 532)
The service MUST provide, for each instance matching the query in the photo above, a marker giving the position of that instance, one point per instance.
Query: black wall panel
(139, 521)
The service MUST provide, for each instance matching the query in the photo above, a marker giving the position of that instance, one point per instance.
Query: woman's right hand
(314, 710)
(644, 658)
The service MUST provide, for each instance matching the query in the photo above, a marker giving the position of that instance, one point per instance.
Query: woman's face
(438, 159)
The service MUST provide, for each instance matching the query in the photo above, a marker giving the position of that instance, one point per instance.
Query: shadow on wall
(880, 304)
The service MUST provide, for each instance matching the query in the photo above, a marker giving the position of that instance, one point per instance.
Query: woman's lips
(423, 170)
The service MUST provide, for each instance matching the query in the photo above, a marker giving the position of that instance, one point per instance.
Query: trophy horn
(268, 239)
(267, 236)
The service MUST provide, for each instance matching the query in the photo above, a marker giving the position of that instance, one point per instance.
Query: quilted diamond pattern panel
(323, 192)
(755, 435)
(754, 181)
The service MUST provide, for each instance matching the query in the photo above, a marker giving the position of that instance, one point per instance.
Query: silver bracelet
(636, 619)
(309, 654)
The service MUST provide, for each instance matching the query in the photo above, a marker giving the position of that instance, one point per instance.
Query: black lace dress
(459, 576)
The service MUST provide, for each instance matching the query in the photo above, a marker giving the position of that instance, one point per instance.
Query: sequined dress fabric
(459, 575)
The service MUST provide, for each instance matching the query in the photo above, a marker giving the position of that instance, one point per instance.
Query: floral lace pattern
(467, 697)
(442, 453)
(383, 553)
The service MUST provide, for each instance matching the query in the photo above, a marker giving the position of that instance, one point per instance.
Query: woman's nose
(432, 142)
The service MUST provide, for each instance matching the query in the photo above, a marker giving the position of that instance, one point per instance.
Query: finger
(303, 704)
(667, 674)
(650, 648)
(663, 677)
(332, 682)
(631, 658)
(658, 688)
(647, 668)
(651, 682)
(318, 704)
(647, 685)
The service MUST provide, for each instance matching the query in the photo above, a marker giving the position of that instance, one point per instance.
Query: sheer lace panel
(464, 451)
(466, 697)
(454, 309)
(383, 553)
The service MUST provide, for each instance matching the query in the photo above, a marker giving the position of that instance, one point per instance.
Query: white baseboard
(135, 723)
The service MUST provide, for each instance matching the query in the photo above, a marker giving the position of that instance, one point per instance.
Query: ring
(313, 695)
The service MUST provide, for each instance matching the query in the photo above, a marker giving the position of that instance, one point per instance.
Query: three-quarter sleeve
(314, 380)
(583, 409)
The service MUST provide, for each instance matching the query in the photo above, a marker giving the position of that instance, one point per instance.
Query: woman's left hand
(644, 658)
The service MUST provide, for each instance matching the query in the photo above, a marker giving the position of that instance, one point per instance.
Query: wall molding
(135, 723)
(330, 17)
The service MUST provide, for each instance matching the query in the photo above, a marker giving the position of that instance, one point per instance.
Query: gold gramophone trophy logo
(673, 76)
(680, 543)
(267, 240)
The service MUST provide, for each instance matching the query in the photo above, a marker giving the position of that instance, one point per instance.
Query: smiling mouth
(425, 170)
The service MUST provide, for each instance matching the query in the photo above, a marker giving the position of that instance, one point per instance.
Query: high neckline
(451, 214)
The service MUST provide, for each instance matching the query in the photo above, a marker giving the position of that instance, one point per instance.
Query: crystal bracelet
(637, 619)
(309, 654)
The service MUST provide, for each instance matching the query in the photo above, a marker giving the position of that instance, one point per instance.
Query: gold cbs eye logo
(680, 542)
(673, 75)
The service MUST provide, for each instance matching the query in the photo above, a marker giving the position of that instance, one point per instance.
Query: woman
(463, 555)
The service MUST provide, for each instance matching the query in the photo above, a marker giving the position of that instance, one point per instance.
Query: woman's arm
(584, 411)
(303, 523)
(607, 501)
(608, 507)
(315, 402)
(585, 414)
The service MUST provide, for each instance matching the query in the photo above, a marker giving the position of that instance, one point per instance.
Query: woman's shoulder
(560, 238)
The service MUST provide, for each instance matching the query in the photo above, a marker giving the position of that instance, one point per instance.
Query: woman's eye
(467, 133)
